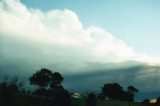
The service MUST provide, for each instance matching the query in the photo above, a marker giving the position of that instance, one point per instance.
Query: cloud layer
(31, 39)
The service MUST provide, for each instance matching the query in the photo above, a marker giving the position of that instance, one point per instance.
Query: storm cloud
(31, 39)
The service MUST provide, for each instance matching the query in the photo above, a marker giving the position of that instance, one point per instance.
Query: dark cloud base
(93, 80)
(124, 76)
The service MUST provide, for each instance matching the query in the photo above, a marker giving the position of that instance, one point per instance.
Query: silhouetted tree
(132, 89)
(44, 92)
(41, 78)
(113, 91)
(61, 97)
(91, 100)
(56, 80)
(131, 93)
(6, 96)
(8, 90)
(15, 85)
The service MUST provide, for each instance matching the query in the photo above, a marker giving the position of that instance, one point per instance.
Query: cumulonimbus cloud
(62, 29)
(31, 38)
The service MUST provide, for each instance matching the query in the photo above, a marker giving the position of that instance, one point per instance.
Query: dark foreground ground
(31, 100)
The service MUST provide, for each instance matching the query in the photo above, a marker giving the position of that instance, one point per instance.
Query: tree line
(51, 89)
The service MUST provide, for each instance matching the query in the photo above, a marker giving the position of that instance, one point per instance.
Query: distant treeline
(50, 92)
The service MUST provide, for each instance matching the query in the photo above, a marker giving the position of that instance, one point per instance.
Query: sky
(99, 41)
(134, 21)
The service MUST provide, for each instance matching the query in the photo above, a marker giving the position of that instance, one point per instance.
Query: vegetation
(41, 78)
(50, 92)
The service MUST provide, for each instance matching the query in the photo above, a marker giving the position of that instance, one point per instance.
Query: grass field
(30, 100)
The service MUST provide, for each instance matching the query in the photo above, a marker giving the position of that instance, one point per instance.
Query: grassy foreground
(107, 103)
(30, 100)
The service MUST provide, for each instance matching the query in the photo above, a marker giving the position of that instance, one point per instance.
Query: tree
(56, 80)
(132, 89)
(113, 91)
(130, 93)
(41, 78)
(62, 98)
(8, 90)
(91, 100)
(48, 82)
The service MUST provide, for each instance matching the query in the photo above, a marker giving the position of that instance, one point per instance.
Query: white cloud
(58, 37)
(31, 39)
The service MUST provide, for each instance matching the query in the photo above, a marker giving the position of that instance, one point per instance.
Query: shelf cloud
(31, 39)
